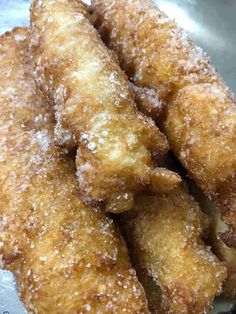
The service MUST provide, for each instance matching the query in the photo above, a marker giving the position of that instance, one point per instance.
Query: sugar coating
(179, 272)
(208, 147)
(148, 102)
(152, 49)
(223, 252)
(80, 77)
(67, 257)
(198, 114)
(226, 254)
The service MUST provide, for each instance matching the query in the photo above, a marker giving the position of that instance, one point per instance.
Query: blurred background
(210, 23)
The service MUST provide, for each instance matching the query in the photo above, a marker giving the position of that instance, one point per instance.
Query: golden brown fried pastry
(223, 252)
(155, 53)
(148, 102)
(198, 114)
(164, 238)
(226, 254)
(91, 95)
(202, 131)
(67, 257)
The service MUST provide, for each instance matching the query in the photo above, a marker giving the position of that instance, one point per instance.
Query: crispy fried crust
(67, 257)
(208, 147)
(152, 49)
(223, 252)
(226, 254)
(91, 95)
(148, 102)
(164, 237)
(199, 112)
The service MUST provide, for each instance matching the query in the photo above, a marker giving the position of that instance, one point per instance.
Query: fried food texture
(196, 110)
(223, 252)
(164, 235)
(80, 77)
(208, 148)
(148, 102)
(153, 50)
(66, 256)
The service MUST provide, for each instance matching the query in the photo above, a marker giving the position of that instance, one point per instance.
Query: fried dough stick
(164, 238)
(194, 108)
(201, 127)
(156, 54)
(80, 76)
(67, 257)
(223, 252)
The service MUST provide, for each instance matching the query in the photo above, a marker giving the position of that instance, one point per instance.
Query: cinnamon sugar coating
(67, 257)
(196, 110)
(80, 77)
(179, 272)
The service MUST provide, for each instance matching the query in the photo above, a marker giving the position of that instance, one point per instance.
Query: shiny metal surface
(211, 24)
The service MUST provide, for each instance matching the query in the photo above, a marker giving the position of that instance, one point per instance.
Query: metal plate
(211, 24)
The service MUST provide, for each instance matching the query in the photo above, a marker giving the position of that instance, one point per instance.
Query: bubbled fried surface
(208, 148)
(158, 55)
(164, 238)
(91, 96)
(223, 252)
(148, 102)
(67, 257)
(153, 50)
